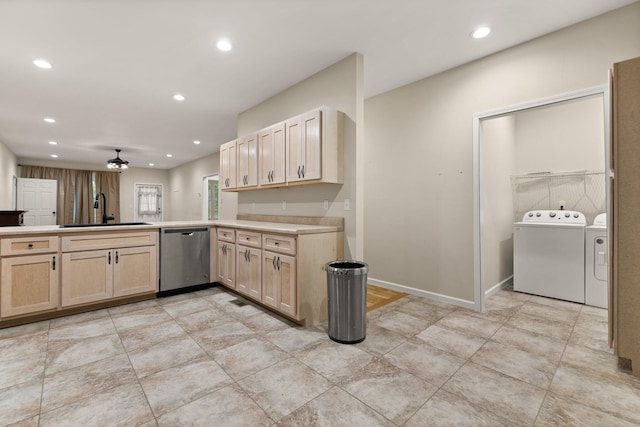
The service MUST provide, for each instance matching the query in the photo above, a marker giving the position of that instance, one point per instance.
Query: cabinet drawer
(282, 244)
(84, 242)
(249, 238)
(226, 235)
(28, 245)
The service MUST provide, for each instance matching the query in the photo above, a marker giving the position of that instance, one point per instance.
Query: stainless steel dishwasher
(184, 258)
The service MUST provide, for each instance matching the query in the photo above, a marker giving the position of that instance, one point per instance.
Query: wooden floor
(378, 297)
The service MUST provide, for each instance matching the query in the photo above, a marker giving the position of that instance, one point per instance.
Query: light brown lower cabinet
(92, 276)
(279, 288)
(98, 267)
(29, 284)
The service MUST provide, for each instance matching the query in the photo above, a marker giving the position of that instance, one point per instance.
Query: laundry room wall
(418, 196)
(498, 164)
(561, 138)
(8, 170)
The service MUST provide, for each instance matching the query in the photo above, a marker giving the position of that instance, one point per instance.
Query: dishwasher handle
(184, 231)
(187, 234)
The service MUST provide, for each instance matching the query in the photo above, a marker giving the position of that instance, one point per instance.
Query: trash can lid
(347, 267)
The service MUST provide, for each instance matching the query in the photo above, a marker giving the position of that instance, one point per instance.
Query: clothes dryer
(595, 266)
(548, 254)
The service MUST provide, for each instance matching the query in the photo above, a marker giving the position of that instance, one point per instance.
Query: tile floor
(198, 359)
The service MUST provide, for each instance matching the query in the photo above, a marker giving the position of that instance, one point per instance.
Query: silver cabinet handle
(278, 263)
(298, 171)
(274, 263)
(303, 171)
(117, 257)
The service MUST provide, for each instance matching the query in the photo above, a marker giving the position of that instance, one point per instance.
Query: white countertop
(272, 227)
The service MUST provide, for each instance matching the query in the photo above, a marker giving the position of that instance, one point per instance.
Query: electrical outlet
(253, 205)
(326, 205)
(347, 204)
(284, 205)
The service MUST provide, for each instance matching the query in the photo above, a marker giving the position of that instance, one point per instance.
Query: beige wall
(185, 190)
(128, 178)
(8, 170)
(418, 201)
(497, 164)
(339, 87)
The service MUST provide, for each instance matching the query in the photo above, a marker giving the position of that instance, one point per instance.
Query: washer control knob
(567, 215)
(530, 214)
(552, 214)
(538, 214)
(576, 215)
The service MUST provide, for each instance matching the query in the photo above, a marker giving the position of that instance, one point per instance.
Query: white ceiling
(117, 63)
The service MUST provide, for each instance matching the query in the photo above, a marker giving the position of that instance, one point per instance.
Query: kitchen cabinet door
(226, 264)
(87, 277)
(247, 167)
(272, 155)
(228, 165)
(28, 284)
(288, 287)
(249, 271)
(135, 271)
(270, 279)
(279, 287)
(304, 147)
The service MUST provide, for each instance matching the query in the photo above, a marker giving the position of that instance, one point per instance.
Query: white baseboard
(505, 283)
(426, 294)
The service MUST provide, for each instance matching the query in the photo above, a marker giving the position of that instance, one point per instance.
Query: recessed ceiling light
(196, 142)
(49, 120)
(481, 32)
(224, 45)
(151, 164)
(169, 155)
(178, 97)
(53, 143)
(55, 156)
(41, 63)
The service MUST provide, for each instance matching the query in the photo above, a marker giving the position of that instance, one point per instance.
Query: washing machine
(548, 254)
(595, 266)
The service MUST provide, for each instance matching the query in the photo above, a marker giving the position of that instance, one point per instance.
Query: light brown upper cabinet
(306, 149)
(247, 161)
(272, 148)
(228, 163)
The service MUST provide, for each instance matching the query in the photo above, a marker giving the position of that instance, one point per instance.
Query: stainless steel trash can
(347, 301)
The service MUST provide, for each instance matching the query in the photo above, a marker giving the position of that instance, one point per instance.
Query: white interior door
(38, 197)
(148, 202)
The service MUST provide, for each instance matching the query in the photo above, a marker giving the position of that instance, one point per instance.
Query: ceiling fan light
(117, 163)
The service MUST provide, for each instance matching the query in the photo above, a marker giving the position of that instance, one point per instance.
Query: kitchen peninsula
(278, 262)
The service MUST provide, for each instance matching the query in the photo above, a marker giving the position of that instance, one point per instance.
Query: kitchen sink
(103, 225)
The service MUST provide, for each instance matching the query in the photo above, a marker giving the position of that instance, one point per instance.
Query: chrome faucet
(105, 217)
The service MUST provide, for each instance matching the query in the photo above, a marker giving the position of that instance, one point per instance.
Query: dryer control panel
(553, 216)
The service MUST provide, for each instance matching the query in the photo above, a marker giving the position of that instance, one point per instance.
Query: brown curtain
(75, 192)
(109, 184)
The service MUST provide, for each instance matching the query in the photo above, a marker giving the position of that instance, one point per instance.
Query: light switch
(326, 205)
(347, 204)
(284, 205)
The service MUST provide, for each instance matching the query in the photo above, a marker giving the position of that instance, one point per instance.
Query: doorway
(38, 197)
(210, 199)
(540, 161)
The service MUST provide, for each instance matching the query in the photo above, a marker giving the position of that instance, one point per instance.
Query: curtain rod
(90, 170)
